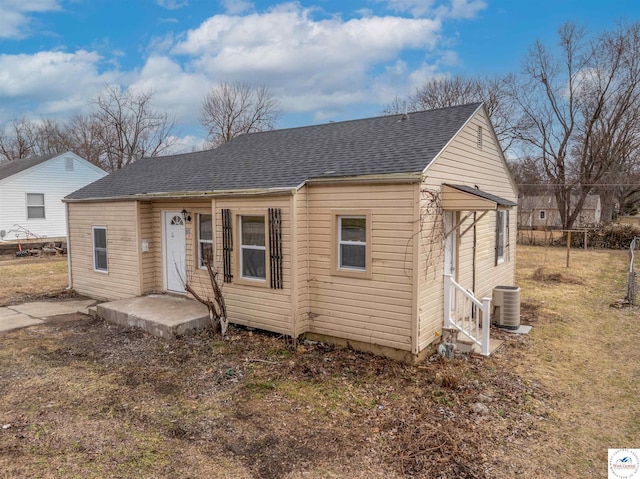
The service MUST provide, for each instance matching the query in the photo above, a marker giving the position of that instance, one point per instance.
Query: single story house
(31, 193)
(541, 211)
(345, 231)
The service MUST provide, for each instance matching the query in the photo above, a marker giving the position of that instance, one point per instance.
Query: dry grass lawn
(585, 353)
(82, 398)
(22, 279)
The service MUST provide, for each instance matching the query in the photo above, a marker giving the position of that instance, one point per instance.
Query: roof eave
(188, 195)
(412, 177)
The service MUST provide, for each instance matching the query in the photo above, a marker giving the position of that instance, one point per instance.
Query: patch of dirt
(541, 274)
(82, 392)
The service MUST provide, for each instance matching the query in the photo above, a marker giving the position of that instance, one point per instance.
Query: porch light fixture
(185, 215)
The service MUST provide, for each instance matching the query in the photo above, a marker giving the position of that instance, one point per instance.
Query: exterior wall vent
(506, 303)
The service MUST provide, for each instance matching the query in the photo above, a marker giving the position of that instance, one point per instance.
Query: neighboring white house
(31, 192)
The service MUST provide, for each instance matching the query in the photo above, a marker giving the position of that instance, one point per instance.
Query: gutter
(70, 275)
(188, 195)
(367, 179)
(393, 178)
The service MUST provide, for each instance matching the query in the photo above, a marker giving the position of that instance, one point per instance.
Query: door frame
(165, 271)
(451, 243)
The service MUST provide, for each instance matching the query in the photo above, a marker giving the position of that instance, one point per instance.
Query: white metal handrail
(462, 311)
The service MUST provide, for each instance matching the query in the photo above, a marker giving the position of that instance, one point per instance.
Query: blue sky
(324, 59)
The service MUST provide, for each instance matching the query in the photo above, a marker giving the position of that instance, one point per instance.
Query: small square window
(35, 206)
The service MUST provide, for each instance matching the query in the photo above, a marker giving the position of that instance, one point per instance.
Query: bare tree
(232, 109)
(84, 136)
(18, 140)
(579, 109)
(528, 174)
(128, 127)
(443, 92)
(211, 296)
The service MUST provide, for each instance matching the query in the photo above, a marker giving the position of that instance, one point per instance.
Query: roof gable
(282, 159)
(10, 168)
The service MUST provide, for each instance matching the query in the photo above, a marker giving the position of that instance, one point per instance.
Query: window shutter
(227, 245)
(275, 247)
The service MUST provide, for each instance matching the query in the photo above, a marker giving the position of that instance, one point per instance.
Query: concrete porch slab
(160, 315)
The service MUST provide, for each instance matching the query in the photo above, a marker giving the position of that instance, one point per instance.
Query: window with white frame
(501, 235)
(543, 214)
(35, 206)
(352, 243)
(205, 239)
(100, 248)
(253, 254)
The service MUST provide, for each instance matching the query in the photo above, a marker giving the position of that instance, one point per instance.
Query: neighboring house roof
(10, 168)
(542, 202)
(282, 159)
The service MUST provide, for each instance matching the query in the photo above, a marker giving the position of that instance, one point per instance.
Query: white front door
(450, 249)
(174, 252)
(450, 244)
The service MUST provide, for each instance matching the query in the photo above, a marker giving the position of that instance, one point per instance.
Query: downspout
(66, 217)
(475, 244)
(306, 199)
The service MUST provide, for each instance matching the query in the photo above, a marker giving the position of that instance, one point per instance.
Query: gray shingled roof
(287, 158)
(483, 194)
(10, 168)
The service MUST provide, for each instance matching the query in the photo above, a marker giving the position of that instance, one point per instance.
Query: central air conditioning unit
(506, 304)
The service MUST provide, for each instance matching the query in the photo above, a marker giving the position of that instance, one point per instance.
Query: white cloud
(311, 65)
(186, 144)
(16, 15)
(49, 83)
(457, 9)
(287, 41)
(172, 4)
(465, 9)
(314, 63)
(175, 91)
(234, 7)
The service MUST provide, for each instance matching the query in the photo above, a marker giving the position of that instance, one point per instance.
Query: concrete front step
(161, 315)
(464, 345)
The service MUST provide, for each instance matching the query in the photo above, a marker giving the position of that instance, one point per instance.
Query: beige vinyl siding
(122, 279)
(376, 310)
(257, 305)
(148, 264)
(462, 162)
(301, 271)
